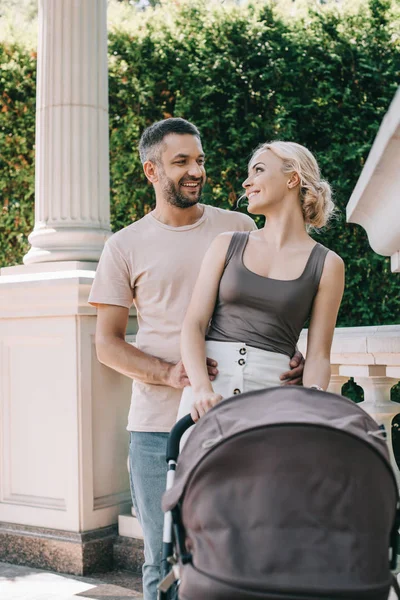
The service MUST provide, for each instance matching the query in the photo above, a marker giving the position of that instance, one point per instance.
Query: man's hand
(177, 377)
(295, 375)
(204, 402)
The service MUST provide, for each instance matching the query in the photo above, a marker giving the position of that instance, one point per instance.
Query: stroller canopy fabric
(273, 406)
(285, 493)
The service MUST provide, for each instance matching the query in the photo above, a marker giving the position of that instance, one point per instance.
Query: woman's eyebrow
(254, 166)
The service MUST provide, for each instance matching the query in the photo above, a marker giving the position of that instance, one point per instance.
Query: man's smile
(192, 185)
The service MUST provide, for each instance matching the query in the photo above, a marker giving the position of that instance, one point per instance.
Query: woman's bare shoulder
(334, 261)
(223, 240)
(334, 267)
(219, 247)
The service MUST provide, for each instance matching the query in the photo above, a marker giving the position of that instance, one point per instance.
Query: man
(154, 263)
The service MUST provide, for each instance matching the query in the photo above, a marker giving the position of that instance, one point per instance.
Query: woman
(259, 288)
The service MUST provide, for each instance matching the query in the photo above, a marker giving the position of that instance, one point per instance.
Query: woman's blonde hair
(315, 193)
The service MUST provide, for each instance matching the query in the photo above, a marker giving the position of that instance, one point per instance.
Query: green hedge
(17, 138)
(244, 75)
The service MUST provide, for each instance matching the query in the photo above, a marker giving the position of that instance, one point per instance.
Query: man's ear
(150, 170)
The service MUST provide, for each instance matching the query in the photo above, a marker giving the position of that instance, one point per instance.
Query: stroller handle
(175, 435)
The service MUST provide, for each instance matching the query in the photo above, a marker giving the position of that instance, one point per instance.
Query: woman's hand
(203, 403)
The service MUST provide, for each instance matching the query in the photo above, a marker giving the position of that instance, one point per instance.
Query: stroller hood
(273, 406)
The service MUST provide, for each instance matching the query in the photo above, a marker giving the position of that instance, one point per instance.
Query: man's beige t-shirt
(155, 266)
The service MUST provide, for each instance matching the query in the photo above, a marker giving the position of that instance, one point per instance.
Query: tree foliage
(17, 134)
(243, 74)
(246, 75)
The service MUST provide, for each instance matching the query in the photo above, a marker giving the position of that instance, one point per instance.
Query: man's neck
(178, 217)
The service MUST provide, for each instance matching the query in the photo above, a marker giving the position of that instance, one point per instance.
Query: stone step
(129, 526)
(128, 554)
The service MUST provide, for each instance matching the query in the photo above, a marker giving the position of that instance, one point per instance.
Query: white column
(379, 179)
(56, 399)
(72, 217)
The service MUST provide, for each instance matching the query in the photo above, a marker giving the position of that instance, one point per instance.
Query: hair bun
(317, 204)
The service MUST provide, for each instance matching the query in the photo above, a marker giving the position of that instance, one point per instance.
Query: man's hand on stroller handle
(205, 400)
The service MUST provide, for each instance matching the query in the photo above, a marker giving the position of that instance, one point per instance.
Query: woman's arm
(198, 315)
(317, 370)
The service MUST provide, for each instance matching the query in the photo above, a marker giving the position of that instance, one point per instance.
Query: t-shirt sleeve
(112, 282)
(246, 223)
(252, 225)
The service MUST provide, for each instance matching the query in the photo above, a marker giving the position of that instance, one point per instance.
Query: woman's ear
(293, 181)
(150, 170)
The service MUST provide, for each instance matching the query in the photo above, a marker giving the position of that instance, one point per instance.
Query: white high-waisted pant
(241, 368)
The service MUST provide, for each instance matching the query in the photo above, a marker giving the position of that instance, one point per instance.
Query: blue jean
(148, 472)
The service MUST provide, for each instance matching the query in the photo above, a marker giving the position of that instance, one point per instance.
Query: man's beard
(175, 198)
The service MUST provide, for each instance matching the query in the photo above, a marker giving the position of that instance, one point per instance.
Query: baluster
(376, 384)
(337, 380)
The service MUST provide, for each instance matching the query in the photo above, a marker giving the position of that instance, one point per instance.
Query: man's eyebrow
(183, 155)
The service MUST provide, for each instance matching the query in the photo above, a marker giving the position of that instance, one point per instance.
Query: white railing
(371, 356)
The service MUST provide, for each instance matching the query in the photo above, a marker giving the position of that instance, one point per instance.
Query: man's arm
(113, 351)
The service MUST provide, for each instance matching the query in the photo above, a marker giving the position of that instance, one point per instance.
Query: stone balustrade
(371, 356)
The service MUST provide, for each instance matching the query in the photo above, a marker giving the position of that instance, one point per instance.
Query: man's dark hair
(152, 137)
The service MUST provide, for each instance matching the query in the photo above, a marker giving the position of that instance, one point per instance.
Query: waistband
(225, 352)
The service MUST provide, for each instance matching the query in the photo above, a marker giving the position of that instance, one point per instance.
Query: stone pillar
(72, 215)
(379, 179)
(63, 439)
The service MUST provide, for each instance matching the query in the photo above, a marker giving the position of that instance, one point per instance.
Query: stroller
(280, 494)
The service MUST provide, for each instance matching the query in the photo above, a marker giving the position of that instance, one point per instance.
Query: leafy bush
(17, 134)
(244, 75)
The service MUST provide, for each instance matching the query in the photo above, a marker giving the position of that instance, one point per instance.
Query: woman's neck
(285, 228)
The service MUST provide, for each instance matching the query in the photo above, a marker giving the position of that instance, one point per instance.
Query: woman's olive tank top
(259, 311)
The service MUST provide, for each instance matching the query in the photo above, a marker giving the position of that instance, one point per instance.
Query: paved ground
(25, 583)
